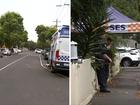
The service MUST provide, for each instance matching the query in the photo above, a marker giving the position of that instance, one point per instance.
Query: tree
(50, 31)
(44, 35)
(12, 30)
(88, 20)
(131, 8)
(41, 31)
(31, 45)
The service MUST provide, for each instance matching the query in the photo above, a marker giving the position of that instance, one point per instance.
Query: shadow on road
(61, 73)
(65, 73)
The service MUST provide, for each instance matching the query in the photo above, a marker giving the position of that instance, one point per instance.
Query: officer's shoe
(105, 91)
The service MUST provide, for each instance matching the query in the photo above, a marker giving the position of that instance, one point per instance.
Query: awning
(132, 27)
(120, 23)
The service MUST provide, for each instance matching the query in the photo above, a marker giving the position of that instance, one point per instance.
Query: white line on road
(12, 63)
(42, 63)
(48, 69)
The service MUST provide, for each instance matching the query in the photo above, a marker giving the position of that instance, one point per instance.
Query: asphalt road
(24, 81)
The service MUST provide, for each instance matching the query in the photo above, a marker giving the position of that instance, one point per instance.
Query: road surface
(23, 81)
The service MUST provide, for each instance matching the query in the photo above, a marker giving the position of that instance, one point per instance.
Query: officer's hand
(110, 60)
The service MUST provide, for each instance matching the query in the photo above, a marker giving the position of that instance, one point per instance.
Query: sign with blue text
(123, 27)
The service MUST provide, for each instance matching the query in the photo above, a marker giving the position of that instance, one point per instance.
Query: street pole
(56, 23)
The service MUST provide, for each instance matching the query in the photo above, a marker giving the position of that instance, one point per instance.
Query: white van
(59, 51)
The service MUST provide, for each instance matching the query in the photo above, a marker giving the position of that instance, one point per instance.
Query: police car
(59, 51)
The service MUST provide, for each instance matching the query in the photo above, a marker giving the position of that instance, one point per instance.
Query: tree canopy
(31, 45)
(12, 32)
(130, 8)
(88, 22)
(44, 35)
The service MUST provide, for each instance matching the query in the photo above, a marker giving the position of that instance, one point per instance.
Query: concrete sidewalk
(125, 90)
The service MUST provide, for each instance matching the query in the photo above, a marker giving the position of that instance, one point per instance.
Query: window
(121, 50)
(64, 32)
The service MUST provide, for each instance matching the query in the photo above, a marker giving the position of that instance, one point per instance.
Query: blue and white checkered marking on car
(63, 58)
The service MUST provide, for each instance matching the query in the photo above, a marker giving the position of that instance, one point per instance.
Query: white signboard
(123, 27)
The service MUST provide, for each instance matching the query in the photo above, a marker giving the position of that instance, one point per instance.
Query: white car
(6, 51)
(128, 56)
(19, 50)
(38, 51)
(15, 50)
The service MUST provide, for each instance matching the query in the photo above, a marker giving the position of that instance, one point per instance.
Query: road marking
(60, 75)
(12, 63)
(42, 63)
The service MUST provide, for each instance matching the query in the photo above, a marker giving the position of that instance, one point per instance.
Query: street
(24, 80)
(125, 89)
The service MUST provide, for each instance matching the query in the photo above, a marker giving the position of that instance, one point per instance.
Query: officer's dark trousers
(102, 75)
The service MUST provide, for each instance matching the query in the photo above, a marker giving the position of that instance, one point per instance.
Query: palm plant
(88, 25)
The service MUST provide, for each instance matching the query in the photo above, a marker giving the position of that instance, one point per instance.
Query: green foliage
(44, 35)
(30, 45)
(12, 31)
(137, 37)
(130, 8)
(88, 19)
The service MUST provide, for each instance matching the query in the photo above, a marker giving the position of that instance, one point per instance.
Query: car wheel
(126, 63)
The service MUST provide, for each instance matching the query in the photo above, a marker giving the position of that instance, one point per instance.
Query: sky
(38, 12)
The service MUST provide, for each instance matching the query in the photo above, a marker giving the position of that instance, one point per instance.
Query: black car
(45, 54)
(1, 55)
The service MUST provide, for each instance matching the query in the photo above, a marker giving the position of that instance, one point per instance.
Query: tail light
(57, 54)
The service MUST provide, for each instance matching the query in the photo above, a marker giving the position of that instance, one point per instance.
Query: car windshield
(121, 50)
(124, 50)
(134, 50)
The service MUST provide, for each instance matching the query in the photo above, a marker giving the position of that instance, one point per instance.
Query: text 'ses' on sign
(123, 27)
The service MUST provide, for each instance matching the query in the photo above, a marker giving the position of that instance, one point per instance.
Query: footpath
(125, 89)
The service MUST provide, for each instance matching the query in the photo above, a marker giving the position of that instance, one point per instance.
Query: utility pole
(56, 23)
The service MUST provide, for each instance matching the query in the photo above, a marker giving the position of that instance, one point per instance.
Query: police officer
(104, 59)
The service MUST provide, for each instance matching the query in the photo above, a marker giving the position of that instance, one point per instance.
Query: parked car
(45, 54)
(1, 55)
(128, 56)
(38, 51)
(6, 51)
(15, 50)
